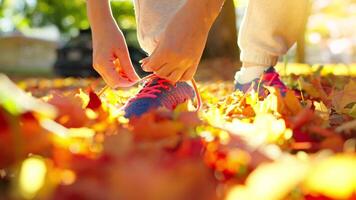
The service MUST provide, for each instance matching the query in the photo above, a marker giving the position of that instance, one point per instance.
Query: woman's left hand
(180, 47)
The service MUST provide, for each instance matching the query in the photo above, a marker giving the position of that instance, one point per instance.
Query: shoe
(158, 92)
(269, 78)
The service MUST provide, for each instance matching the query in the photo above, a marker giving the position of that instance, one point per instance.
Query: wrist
(99, 14)
(207, 10)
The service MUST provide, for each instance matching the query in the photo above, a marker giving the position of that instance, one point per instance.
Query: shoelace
(149, 92)
(273, 79)
(269, 79)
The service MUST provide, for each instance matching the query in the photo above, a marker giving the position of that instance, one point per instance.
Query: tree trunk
(222, 41)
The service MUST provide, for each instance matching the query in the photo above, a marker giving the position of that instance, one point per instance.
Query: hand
(175, 58)
(180, 47)
(110, 54)
(111, 57)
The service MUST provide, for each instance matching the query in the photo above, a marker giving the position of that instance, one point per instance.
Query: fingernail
(143, 60)
(145, 67)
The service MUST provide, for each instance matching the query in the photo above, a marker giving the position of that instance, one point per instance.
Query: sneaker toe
(139, 107)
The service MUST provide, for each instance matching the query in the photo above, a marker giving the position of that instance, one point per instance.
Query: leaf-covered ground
(67, 139)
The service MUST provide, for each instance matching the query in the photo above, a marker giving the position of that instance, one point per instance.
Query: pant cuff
(258, 58)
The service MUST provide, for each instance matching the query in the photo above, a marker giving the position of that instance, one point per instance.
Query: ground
(68, 139)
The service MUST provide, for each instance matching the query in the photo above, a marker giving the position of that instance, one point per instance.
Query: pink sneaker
(156, 93)
(269, 78)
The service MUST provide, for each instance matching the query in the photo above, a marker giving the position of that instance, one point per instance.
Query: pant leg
(270, 28)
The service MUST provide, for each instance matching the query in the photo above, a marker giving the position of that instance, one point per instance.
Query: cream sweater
(152, 18)
(269, 28)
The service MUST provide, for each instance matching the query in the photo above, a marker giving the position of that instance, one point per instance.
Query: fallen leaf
(94, 101)
(344, 97)
(71, 114)
(334, 177)
(155, 125)
(314, 89)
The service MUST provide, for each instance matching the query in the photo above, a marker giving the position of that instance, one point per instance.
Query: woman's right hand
(110, 54)
(111, 57)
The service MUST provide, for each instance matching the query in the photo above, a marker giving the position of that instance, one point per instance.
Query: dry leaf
(344, 97)
(71, 114)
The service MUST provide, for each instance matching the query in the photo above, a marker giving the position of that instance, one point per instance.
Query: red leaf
(22, 137)
(4, 126)
(94, 100)
(303, 118)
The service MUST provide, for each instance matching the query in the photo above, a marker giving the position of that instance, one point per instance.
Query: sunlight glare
(32, 176)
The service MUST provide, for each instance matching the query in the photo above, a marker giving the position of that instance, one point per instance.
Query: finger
(108, 73)
(164, 71)
(152, 67)
(144, 61)
(113, 78)
(146, 68)
(176, 75)
(124, 63)
(189, 74)
(120, 70)
(155, 62)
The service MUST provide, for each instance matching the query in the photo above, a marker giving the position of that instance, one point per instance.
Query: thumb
(125, 66)
(154, 62)
(108, 72)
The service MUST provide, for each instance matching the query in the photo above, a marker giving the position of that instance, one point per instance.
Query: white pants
(269, 28)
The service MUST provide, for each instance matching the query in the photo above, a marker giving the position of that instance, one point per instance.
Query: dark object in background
(222, 41)
(75, 57)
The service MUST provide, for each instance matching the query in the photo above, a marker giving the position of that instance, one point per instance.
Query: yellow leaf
(271, 181)
(334, 177)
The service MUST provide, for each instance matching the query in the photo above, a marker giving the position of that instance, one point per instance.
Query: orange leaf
(292, 103)
(155, 125)
(71, 113)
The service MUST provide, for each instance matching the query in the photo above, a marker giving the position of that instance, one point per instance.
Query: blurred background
(52, 38)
